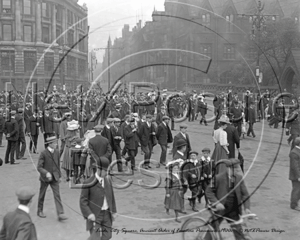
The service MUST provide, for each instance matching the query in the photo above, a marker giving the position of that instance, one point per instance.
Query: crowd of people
(140, 121)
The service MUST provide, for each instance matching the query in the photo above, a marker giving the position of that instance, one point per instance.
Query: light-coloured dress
(220, 139)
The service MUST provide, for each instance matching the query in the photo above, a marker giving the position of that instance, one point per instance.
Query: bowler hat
(20, 110)
(25, 193)
(109, 120)
(117, 120)
(181, 143)
(148, 116)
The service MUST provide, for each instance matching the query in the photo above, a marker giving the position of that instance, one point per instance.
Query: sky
(107, 18)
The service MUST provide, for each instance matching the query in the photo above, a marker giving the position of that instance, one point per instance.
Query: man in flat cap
(164, 136)
(229, 194)
(18, 224)
(184, 136)
(49, 169)
(21, 140)
(11, 130)
(97, 201)
(294, 174)
(146, 133)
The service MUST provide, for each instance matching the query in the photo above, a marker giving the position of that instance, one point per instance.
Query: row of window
(46, 36)
(27, 9)
(8, 63)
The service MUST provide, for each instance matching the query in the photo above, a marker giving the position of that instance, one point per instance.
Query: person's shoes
(254, 136)
(14, 163)
(195, 210)
(134, 169)
(146, 167)
(6, 162)
(68, 179)
(41, 215)
(296, 208)
(62, 217)
(167, 211)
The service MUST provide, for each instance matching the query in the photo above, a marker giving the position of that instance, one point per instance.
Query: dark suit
(91, 202)
(294, 175)
(21, 124)
(188, 144)
(123, 125)
(33, 130)
(49, 163)
(233, 140)
(233, 202)
(47, 126)
(294, 129)
(251, 121)
(100, 146)
(145, 139)
(164, 136)
(236, 115)
(116, 132)
(131, 144)
(159, 117)
(2, 123)
(108, 135)
(11, 127)
(17, 225)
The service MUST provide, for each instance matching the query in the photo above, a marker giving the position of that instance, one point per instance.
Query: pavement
(141, 213)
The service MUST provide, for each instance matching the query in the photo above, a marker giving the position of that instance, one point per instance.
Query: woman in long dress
(220, 138)
(71, 136)
(174, 192)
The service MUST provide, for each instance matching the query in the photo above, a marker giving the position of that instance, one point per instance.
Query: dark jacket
(145, 133)
(91, 198)
(49, 162)
(18, 225)
(294, 164)
(163, 134)
(47, 124)
(130, 138)
(12, 128)
(251, 115)
(221, 189)
(116, 133)
(159, 117)
(108, 135)
(232, 139)
(100, 146)
(21, 125)
(2, 123)
(33, 126)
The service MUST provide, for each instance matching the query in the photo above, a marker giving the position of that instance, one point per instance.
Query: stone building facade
(35, 35)
(183, 38)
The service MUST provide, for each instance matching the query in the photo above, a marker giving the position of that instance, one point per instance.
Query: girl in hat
(174, 191)
(220, 138)
(71, 136)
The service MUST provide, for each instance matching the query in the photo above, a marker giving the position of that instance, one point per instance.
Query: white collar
(23, 208)
(182, 154)
(99, 178)
(108, 127)
(50, 149)
(204, 159)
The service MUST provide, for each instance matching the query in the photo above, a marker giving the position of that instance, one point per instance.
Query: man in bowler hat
(18, 224)
(97, 201)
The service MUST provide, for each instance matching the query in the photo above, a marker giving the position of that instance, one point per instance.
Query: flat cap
(135, 114)
(109, 120)
(98, 128)
(118, 105)
(148, 116)
(131, 120)
(13, 112)
(50, 139)
(101, 163)
(194, 152)
(165, 118)
(68, 113)
(117, 120)
(25, 193)
(183, 125)
(206, 150)
(20, 110)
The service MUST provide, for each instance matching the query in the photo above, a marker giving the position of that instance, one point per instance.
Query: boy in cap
(206, 166)
(18, 224)
(97, 200)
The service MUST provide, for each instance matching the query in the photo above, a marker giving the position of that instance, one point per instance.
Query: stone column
(18, 21)
(53, 23)
(38, 21)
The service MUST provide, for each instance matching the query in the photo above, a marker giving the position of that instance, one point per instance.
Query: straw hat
(73, 125)
(224, 119)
